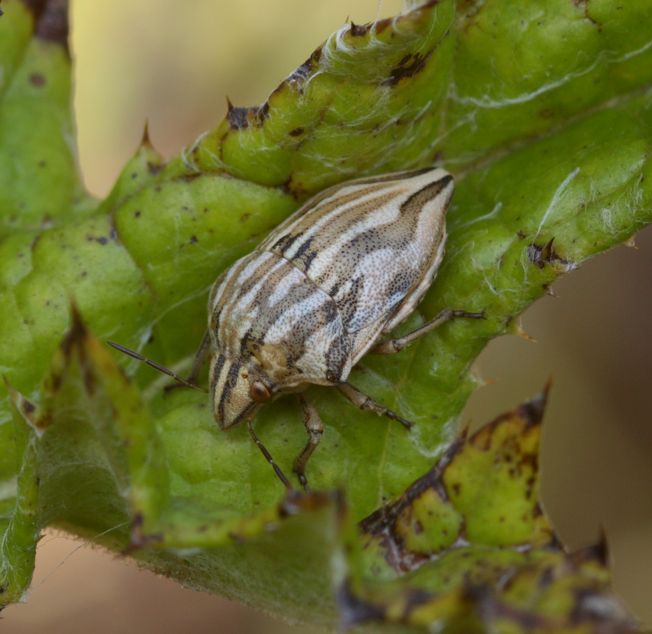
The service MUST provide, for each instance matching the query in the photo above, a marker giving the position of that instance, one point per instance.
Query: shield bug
(321, 291)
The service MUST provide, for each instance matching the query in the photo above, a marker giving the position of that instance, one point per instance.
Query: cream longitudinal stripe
(329, 212)
(326, 206)
(286, 320)
(316, 294)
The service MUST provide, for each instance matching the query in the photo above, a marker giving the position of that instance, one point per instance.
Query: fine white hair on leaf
(187, 152)
(634, 53)
(489, 102)
(556, 198)
(83, 544)
(9, 488)
(488, 216)
(379, 8)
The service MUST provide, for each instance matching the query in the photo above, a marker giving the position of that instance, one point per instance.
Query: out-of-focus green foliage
(542, 112)
(467, 547)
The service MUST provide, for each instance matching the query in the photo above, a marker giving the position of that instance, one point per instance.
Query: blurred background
(152, 61)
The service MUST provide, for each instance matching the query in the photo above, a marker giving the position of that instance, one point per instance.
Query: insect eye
(259, 392)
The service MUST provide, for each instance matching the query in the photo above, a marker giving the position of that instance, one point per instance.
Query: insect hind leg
(366, 403)
(391, 346)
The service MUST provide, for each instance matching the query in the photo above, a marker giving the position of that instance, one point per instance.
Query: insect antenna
(156, 366)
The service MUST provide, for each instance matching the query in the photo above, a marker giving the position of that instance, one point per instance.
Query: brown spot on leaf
(291, 188)
(99, 239)
(37, 79)
(296, 132)
(408, 66)
(154, 168)
(27, 407)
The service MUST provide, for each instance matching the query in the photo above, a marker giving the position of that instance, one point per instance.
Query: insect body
(320, 292)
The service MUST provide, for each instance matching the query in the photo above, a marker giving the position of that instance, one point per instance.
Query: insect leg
(315, 429)
(366, 403)
(200, 358)
(268, 456)
(390, 346)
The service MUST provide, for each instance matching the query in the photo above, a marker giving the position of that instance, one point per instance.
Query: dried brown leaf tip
(468, 545)
(546, 254)
(244, 117)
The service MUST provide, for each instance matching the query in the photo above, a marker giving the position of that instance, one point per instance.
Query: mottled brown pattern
(318, 292)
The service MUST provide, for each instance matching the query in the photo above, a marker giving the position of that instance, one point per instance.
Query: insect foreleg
(315, 429)
(390, 346)
(268, 456)
(198, 362)
(366, 403)
(200, 358)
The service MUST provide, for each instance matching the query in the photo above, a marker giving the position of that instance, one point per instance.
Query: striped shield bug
(321, 291)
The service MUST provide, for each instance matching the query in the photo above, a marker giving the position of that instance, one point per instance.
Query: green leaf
(467, 548)
(39, 183)
(39, 188)
(20, 520)
(550, 151)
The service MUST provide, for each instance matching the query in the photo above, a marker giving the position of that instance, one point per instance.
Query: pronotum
(321, 291)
